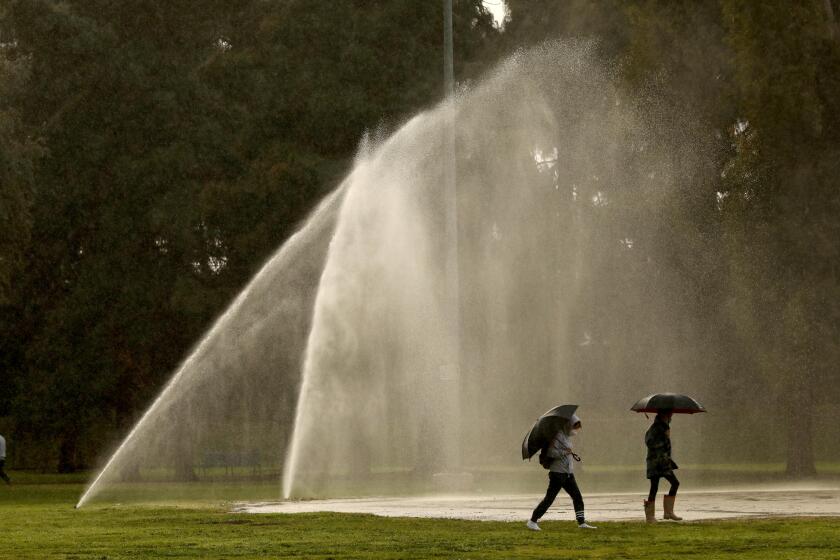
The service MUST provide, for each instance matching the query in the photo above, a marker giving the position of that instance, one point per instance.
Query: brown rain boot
(668, 506)
(650, 512)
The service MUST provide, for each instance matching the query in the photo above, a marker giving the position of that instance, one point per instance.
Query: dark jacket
(658, 441)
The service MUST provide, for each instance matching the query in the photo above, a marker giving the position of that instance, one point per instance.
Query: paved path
(693, 506)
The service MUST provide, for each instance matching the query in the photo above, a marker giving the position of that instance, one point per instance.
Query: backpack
(545, 460)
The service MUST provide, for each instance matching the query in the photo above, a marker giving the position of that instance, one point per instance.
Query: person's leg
(3, 474)
(650, 507)
(554, 485)
(668, 501)
(654, 488)
(675, 484)
(571, 488)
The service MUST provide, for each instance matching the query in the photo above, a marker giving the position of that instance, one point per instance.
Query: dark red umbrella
(678, 404)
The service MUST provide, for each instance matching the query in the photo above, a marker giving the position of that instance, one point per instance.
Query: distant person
(561, 475)
(660, 465)
(3, 474)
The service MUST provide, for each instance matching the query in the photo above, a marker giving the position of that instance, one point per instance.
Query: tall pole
(832, 24)
(452, 372)
(448, 72)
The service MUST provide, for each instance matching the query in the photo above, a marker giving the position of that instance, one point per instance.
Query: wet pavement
(692, 506)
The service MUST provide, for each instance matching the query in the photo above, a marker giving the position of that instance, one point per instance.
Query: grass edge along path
(38, 521)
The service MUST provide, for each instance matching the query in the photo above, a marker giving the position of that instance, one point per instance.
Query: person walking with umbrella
(659, 463)
(559, 458)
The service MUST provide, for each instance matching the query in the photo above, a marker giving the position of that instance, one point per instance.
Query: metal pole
(453, 368)
(832, 24)
(448, 72)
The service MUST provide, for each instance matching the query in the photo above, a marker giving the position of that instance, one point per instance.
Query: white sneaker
(533, 525)
(586, 526)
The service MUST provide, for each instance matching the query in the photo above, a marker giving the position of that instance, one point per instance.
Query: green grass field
(37, 520)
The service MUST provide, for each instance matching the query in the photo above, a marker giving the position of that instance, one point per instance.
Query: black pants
(556, 482)
(3, 474)
(654, 485)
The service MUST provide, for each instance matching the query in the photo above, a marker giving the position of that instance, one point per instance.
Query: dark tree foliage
(154, 153)
(782, 204)
(20, 151)
(182, 143)
(752, 252)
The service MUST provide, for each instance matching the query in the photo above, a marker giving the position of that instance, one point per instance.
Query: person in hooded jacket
(660, 465)
(3, 474)
(561, 475)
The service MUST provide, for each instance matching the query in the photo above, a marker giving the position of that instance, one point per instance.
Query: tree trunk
(67, 454)
(184, 461)
(800, 433)
(184, 470)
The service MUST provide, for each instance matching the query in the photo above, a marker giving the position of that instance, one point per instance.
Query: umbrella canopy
(544, 429)
(678, 404)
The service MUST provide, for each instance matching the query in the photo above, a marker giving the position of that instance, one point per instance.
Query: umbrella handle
(574, 455)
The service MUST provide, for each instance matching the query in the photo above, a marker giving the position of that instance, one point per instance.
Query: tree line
(153, 155)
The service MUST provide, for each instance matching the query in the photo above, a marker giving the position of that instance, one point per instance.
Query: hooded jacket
(560, 449)
(658, 441)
